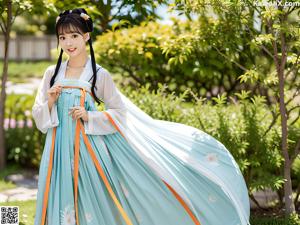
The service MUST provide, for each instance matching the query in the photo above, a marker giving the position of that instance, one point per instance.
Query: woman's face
(73, 43)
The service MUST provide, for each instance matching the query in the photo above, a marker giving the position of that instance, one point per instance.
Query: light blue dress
(208, 187)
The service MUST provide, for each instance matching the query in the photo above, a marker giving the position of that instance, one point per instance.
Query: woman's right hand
(53, 93)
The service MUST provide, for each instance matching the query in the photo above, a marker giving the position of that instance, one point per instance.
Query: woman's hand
(78, 112)
(53, 93)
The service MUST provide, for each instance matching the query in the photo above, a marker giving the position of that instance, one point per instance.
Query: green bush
(273, 221)
(181, 56)
(24, 143)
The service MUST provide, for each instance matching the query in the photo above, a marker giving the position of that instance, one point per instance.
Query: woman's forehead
(68, 29)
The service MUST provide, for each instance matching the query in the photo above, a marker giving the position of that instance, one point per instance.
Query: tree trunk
(288, 191)
(3, 84)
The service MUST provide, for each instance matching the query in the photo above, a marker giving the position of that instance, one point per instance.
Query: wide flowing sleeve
(43, 117)
(98, 123)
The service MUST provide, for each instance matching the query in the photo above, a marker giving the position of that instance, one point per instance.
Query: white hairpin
(84, 16)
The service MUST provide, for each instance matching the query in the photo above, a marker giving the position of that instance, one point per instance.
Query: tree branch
(3, 22)
(275, 116)
(296, 152)
(18, 12)
(291, 109)
(294, 66)
(290, 10)
(274, 43)
(262, 46)
(2, 28)
(236, 63)
(283, 52)
(267, 51)
(296, 119)
(294, 95)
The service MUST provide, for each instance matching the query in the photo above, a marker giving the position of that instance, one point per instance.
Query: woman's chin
(72, 54)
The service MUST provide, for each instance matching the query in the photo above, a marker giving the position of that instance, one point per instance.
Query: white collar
(87, 69)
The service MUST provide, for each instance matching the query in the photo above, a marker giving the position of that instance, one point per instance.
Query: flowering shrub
(24, 143)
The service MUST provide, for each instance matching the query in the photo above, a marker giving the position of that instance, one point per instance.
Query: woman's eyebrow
(73, 32)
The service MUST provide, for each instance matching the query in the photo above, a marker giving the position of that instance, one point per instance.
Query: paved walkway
(26, 187)
(23, 88)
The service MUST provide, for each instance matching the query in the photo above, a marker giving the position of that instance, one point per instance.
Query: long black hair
(71, 21)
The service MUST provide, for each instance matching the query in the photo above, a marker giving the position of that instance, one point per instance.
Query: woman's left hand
(78, 112)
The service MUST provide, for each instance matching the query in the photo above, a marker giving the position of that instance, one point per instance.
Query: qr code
(9, 215)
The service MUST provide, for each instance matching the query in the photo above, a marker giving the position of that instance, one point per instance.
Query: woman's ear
(86, 36)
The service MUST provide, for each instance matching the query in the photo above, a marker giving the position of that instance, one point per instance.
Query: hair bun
(84, 15)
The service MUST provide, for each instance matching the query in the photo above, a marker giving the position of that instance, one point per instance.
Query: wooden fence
(29, 47)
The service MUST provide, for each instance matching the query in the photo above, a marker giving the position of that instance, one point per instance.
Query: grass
(274, 216)
(10, 169)
(27, 213)
(26, 210)
(19, 72)
(6, 185)
(268, 221)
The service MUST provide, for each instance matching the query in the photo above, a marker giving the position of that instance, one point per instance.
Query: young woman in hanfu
(120, 166)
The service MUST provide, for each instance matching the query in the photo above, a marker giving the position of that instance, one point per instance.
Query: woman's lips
(71, 49)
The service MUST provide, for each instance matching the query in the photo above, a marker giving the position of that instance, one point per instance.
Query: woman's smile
(71, 49)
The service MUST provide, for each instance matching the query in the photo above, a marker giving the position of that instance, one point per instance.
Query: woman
(120, 166)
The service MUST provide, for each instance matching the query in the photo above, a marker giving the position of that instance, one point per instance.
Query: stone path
(23, 88)
(26, 187)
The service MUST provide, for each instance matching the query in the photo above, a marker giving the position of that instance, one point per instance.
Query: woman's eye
(75, 35)
(61, 38)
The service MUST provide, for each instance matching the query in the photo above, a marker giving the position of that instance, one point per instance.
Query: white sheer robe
(97, 123)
